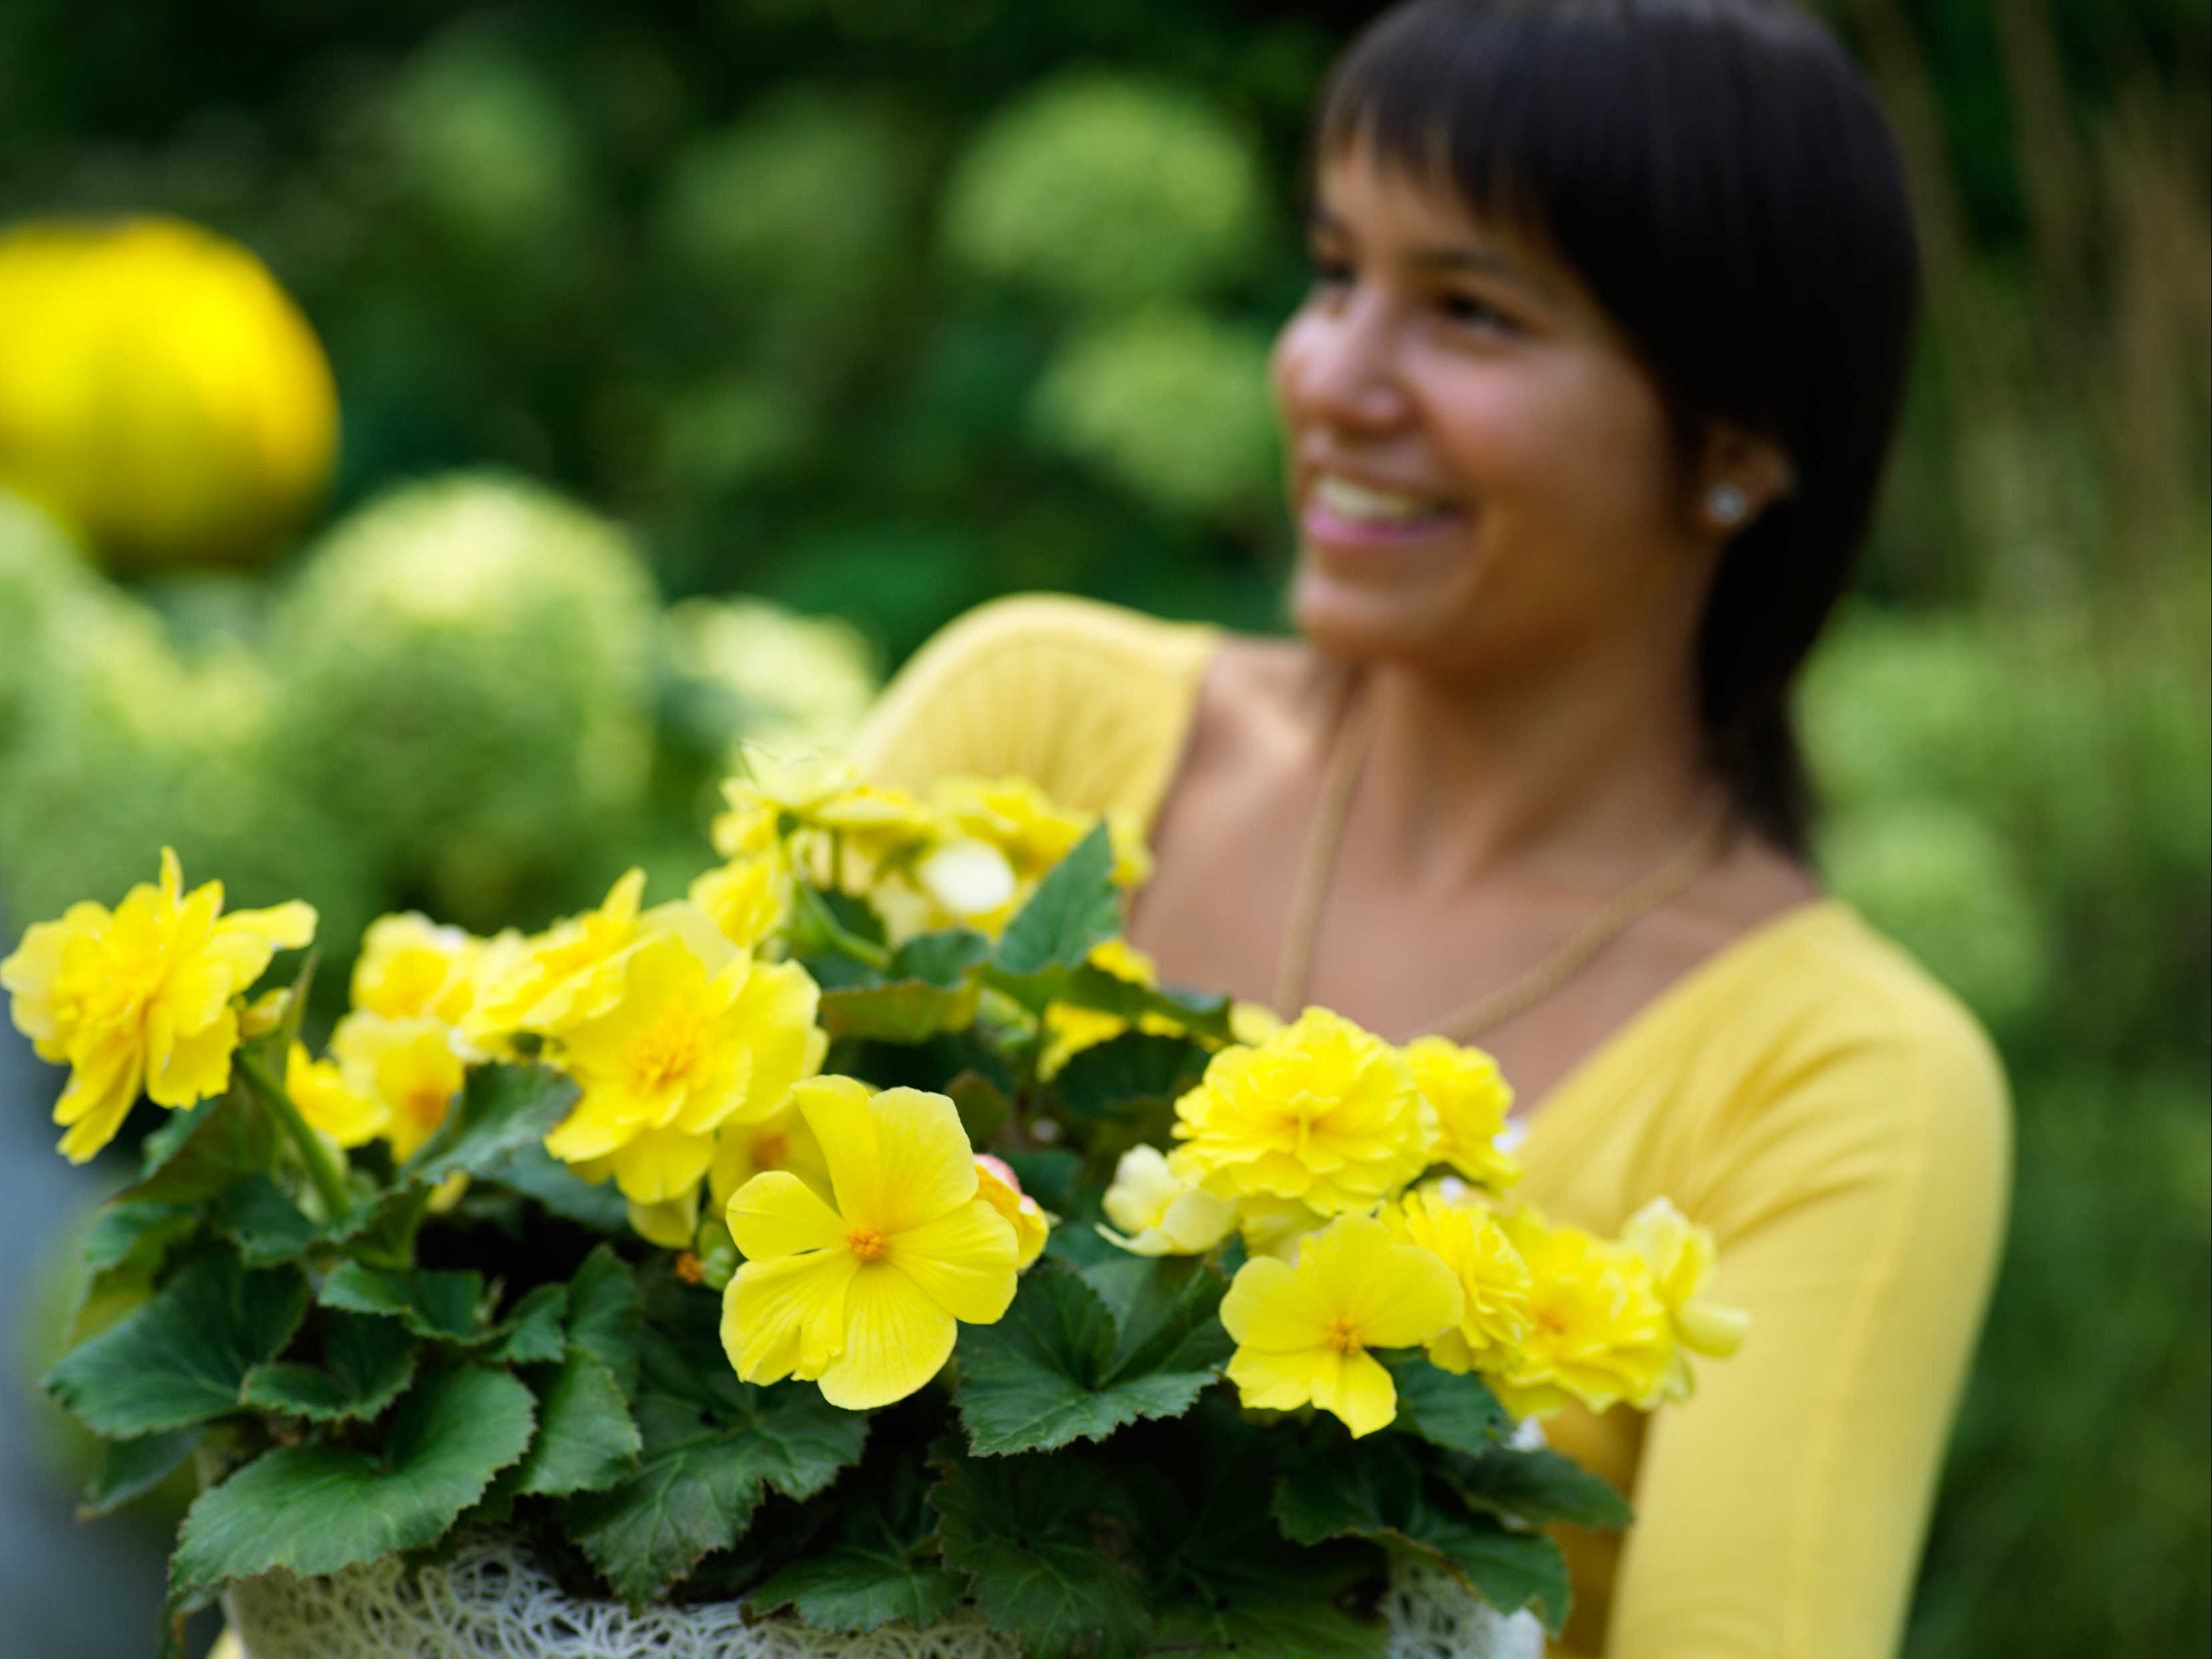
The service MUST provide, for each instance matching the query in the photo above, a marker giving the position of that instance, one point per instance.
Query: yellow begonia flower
(1274, 1226)
(1471, 1098)
(571, 971)
(1032, 831)
(679, 1053)
(1252, 1023)
(411, 967)
(747, 828)
(1681, 1256)
(141, 995)
(1303, 1329)
(333, 1104)
(1321, 1112)
(673, 1224)
(825, 793)
(1160, 1214)
(413, 1067)
(861, 1295)
(1493, 1281)
(1597, 1332)
(265, 1013)
(998, 1186)
(781, 1141)
(747, 899)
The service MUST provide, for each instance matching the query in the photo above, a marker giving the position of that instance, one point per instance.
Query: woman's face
(1482, 472)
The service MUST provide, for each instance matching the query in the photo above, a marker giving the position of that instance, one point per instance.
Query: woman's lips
(1320, 525)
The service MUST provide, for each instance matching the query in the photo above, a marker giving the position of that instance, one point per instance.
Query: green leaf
(586, 1440)
(200, 1151)
(536, 1332)
(182, 1358)
(1075, 908)
(1047, 1545)
(1539, 1487)
(1376, 1490)
(131, 1468)
(946, 959)
(1166, 1310)
(1434, 1404)
(536, 1174)
(501, 1109)
(927, 987)
(1200, 1013)
(428, 1302)
(1130, 1077)
(876, 1564)
(606, 1313)
(138, 1232)
(367, 1361)
(315, 1508)
(711, 1445)
(984, 1108)
(259, 1216)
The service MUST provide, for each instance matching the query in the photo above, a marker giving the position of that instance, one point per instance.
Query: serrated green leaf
(877, 1563)
(1539, 1487)
(1166, 1313)
(200, 1151)
(182, 1357)
(1047, 1545)
(1376, 1490)
(260, 1219)
(1434, 1404)
(367, 1363)
(537, 1174)
(903, 1010)
(606, 1313)
(712, 1444)
(1202, 1013)
(315, 1508)
(535, 1333)
(501, 1109)
(1130, 1078)
(428, 1302)
(137, 1232)
(131, 1468)
(585, 1441)
(1075, 908)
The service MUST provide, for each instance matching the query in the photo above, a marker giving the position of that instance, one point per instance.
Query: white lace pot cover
(491, 1601)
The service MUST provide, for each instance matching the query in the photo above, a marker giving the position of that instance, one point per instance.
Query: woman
(1584, 414)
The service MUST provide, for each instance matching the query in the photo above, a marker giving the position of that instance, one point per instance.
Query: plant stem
(329, 1181)
(838, 934)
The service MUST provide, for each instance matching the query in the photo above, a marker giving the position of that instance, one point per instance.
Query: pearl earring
(1727, 503)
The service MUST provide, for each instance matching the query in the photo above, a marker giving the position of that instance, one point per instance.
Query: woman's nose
(1341, 367)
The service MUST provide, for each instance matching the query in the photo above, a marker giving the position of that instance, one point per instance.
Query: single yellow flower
(679, 1053)
(1472, 1099)
(141, 995)
(862, 1296)
(1160, 1213)
(573, 971)
(997, 1185)
(412, 1067)
(1681, 1256)
(410, 966)
(1493, 1281)
(1322, 1112)
(1303, 1329)
(747, 899)
(332, 1102)
(1597, 1332)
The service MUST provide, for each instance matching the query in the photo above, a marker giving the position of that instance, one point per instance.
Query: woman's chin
(1361, 620)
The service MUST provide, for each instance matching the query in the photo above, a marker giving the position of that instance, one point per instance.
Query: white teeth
(1353, 501)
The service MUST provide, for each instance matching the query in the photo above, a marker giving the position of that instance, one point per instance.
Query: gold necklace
(1354, 730)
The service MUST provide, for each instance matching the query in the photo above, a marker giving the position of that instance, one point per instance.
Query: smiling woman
(1585, 412)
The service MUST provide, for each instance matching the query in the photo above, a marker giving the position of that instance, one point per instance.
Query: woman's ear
(1741, 474)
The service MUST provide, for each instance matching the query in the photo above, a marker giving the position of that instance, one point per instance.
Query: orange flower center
(668, 1053)
(768, 1153)
(865, 1243)
(426, 1103)
(1343, 1336)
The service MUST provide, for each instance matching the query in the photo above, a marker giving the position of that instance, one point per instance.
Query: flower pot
(490, 1600)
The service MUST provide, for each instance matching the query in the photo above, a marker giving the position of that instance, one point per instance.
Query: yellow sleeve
(1089, 701)
(1857, 1192)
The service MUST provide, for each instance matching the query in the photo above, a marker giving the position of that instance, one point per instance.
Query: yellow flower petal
(897, 1338)
(1355, 1386)
(896, 1159)
(787, 1317)
(963, 1261)
(1267, 1308)
(661, 1164)
(777, 1214)
(1278, 1382)
(195, 1065)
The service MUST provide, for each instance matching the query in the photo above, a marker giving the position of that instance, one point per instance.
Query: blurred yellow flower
(332, 1102)
(998, 1186)
(780, 1141)
(747, 899)
(1158, 1213)
(1303, 1329)
(410, 966)
(1681, 1257)
(141, 995)
(1493, 1281)
(862, 1296)
(571, 971)
(158, 390)
(1597, 1332)
(1322, 1112)
(1033, 831)
(1471, 1098)
(413, 1067)
(1274, 1226)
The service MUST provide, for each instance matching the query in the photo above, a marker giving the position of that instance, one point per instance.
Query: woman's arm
(1859, 1203)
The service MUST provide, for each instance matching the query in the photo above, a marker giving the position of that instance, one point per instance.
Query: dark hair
(1719, 176)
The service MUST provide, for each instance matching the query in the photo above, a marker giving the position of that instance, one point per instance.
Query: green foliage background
(880, 308)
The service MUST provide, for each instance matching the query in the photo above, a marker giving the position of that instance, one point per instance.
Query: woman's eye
(1467, 309)
(1329, 273)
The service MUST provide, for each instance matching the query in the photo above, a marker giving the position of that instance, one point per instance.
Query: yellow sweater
(1809, 1093)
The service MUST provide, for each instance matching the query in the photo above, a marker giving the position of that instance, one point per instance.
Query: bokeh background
(655, 374)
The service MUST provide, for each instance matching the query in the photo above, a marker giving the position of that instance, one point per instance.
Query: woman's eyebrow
(1465, 257)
